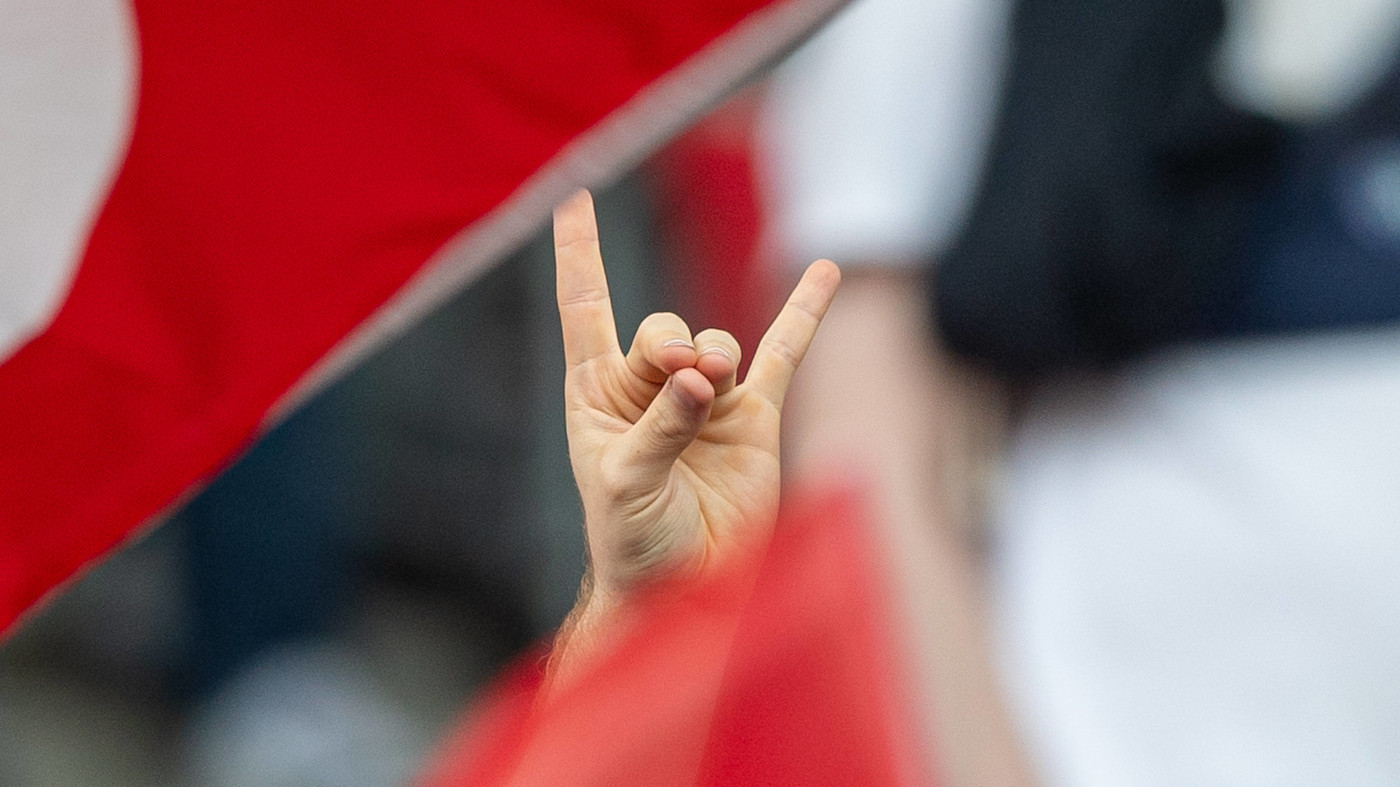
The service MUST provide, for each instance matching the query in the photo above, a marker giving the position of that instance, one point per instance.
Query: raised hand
(677, 464)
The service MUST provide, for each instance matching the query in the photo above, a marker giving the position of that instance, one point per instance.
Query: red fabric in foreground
(292, 165)
(783, 673)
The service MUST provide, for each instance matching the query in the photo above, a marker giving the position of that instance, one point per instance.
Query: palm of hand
(721, 488)
(676, 464)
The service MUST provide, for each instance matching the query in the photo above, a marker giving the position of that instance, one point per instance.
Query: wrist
(583, 636)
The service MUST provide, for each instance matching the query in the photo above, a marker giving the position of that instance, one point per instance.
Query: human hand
(677, 465)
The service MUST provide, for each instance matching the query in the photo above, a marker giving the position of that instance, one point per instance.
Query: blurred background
(1116, 353)
(322, 611)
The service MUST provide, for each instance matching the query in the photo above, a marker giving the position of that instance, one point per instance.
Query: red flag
(783, 672)
(301, 178)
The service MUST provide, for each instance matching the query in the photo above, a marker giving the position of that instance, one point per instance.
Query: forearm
(878, 397)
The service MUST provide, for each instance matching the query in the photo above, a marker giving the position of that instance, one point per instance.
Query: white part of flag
(68, 86)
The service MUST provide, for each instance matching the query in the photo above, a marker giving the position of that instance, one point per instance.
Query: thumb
(670, 424)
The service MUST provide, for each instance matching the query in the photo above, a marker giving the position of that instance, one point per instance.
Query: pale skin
(676, 460)
(678, 467)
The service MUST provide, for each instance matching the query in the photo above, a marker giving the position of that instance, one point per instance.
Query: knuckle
(667, 430)
(657, 321)
(717, 339)
(783, 350)
(585, 296)
(716, 336)
(657, 329)
(806, 310)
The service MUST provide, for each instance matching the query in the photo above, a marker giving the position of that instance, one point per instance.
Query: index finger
(585, 310)
(786, 342)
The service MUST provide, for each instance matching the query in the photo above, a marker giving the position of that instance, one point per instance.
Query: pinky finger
(786, 342)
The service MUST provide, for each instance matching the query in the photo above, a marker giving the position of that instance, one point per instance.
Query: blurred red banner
(783, 671)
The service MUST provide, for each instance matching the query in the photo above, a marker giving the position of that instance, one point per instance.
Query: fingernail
(677, 343)
(717, 351)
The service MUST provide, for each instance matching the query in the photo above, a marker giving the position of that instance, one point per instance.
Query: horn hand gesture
(676, 461)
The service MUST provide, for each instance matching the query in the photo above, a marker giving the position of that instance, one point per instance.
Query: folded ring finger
(717, 357)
